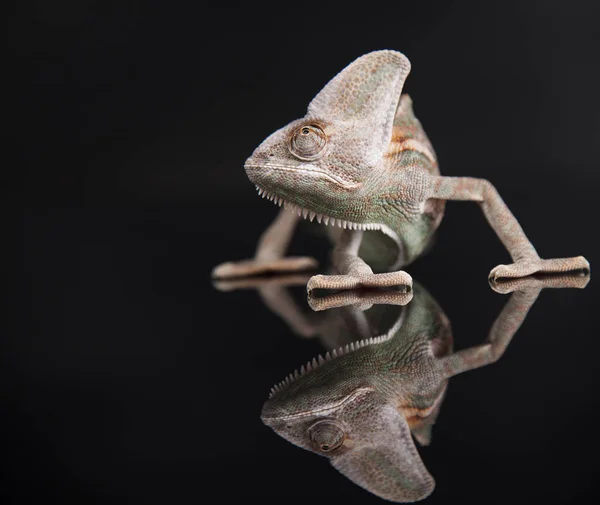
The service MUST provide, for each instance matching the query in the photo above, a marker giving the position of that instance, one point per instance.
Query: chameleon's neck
(404, 368)
(398, 200)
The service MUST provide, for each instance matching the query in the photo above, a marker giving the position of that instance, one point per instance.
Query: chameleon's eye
(326, 435)
(308, 142)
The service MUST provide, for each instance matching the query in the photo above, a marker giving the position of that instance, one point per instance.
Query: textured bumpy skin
(360, 404)
(360, 161)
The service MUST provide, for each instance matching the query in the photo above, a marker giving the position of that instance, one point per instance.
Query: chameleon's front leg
(353, 271)
(525, 258)
(269, 252)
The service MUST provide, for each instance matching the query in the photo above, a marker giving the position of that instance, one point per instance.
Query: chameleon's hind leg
(526, 260)
(269, 252)
(354, 272)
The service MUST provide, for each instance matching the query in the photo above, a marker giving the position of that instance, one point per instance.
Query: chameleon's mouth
(254, 169)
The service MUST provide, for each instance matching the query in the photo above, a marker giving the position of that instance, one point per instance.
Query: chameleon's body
(409, 147)
(360, 160)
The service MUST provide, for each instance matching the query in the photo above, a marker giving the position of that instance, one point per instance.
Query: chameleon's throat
(336, 353)
(342, 223)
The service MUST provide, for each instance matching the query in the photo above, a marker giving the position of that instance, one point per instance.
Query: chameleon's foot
(537, 265)
(341, 282)
(247, 268)
(362, 299)
(567, 280)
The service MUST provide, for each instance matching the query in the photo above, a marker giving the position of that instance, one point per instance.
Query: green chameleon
(360, 162)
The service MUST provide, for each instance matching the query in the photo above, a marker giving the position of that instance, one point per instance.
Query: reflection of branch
(525, 292)
(362, 299)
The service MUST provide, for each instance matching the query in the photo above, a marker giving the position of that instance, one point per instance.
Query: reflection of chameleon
(360, 161)
(360, 404)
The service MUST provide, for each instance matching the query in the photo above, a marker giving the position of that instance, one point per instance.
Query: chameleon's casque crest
(366, 92)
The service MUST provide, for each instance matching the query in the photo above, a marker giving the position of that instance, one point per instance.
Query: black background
(127, 378)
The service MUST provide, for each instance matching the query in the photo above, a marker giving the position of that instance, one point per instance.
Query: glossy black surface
(127, 378)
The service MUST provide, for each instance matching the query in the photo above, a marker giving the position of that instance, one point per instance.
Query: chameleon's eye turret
(308, 142)
(326, 435)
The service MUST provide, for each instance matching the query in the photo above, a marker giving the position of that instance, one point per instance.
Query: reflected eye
(308, 142)
(326, 435)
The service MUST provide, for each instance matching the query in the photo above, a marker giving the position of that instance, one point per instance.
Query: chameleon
(360, 162)
(364, 405)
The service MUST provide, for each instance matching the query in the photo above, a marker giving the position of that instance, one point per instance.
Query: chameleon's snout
(252, 167)
(258, 168)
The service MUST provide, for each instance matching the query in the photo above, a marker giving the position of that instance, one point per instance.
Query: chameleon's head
(326, 161)
(347, 419)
